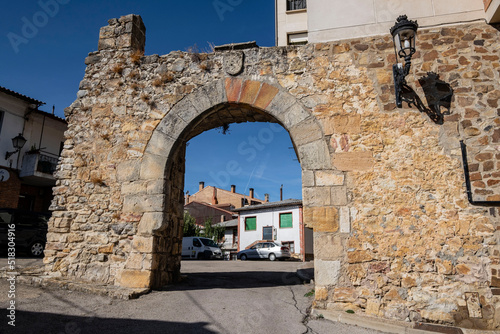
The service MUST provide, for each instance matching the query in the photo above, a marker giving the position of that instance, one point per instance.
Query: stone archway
(230, 100)
(382, 187)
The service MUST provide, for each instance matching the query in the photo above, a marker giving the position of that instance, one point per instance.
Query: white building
(26, 173)
(276, 221)
(301, 21)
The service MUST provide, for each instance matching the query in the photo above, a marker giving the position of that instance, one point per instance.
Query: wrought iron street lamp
(403, 34)
(18, 143)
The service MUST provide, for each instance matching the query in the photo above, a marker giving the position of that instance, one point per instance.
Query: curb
(392, 326)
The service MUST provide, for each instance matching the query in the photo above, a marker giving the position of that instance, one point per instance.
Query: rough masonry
(383, 188)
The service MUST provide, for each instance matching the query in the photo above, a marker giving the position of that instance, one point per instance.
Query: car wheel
(201, 256)
(272, 257)
(36, 249)
(243, 257)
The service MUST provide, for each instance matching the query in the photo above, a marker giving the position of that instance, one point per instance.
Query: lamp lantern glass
(18, 142)
(404, 33)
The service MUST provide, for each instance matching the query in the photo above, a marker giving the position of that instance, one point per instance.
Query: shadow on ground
(31, 322)
(234, 280)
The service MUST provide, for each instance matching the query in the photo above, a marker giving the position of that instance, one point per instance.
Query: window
(296, 4)
(290, 245)
(299, 38)
(286, 220)
(1, 120)
(267, 233)
(250, 223)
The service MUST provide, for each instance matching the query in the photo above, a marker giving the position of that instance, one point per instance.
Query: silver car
(265, 250)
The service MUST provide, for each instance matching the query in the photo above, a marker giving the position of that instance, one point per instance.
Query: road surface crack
(305, 315)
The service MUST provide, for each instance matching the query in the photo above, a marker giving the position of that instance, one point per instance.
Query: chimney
(222, 218)
(187, 198)
(233, 188)
(214, 197)
(202, 185)
(266, 198)
(281, 193)
(251, 193)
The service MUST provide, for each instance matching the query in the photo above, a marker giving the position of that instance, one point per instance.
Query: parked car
(28, 230)
(265, 250)
(200, 248)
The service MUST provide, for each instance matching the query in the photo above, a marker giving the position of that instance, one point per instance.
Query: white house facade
(276, 221)
(30, 144)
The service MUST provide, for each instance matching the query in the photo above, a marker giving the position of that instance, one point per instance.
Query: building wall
(206, 195)
(288, 22)
(271, 217)
(329, 20)
(10, 189)
(203, 212)
(13, 112)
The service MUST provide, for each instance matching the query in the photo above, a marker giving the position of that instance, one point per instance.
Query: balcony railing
(38, 164)
(296, 4)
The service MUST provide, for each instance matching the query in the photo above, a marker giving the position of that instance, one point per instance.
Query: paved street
(214, 297)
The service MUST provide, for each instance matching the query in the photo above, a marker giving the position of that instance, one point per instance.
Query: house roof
(229, 223)
(21, 96)
(209, 206)
(269, 205)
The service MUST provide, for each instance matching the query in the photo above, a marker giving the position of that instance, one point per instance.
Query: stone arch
(159, 234)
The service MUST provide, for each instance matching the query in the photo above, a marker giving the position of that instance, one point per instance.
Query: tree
(213, 231)
(190, 228)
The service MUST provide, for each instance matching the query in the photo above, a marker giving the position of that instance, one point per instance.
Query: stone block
(316, 196)
(353, 161)
(128, 171)
(372, 307)
(359, 256)
(144, 203)
(135, 278)
(233, 89)
(142, 244)
(321, 219)
(293, 115)
(160, 144)
(345, 219)
(185, 110)
(150, 222)
(280, 103)
(326, 273)
(266, 95)
(314, 155)
(216, 92)
(328, 246)
(308, 178)
(339, 195)
(200, 101)
(172, 125)
(306, 132)
(152, 166)
(249, 91)
(329, 178)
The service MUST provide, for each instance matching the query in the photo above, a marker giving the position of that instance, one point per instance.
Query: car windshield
(208, 242)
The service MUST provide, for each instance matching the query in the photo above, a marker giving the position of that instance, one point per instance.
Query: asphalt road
(214, 297)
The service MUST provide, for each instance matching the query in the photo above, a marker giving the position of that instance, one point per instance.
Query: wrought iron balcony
(296, 4)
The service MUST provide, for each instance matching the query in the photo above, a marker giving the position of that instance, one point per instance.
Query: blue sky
(44, 44)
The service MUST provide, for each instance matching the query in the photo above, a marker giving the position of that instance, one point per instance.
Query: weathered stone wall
(383, 188)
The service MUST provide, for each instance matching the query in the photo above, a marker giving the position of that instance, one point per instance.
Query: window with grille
(296, 4)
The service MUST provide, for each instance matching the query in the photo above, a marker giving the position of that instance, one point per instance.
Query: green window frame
(286, 220)
(250, 223)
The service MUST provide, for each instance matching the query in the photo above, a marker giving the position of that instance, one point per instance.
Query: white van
(200, 248)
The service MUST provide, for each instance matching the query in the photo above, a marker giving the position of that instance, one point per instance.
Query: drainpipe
(467, 180)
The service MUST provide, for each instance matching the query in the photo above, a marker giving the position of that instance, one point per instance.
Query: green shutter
(286, 220)
(250, 223)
